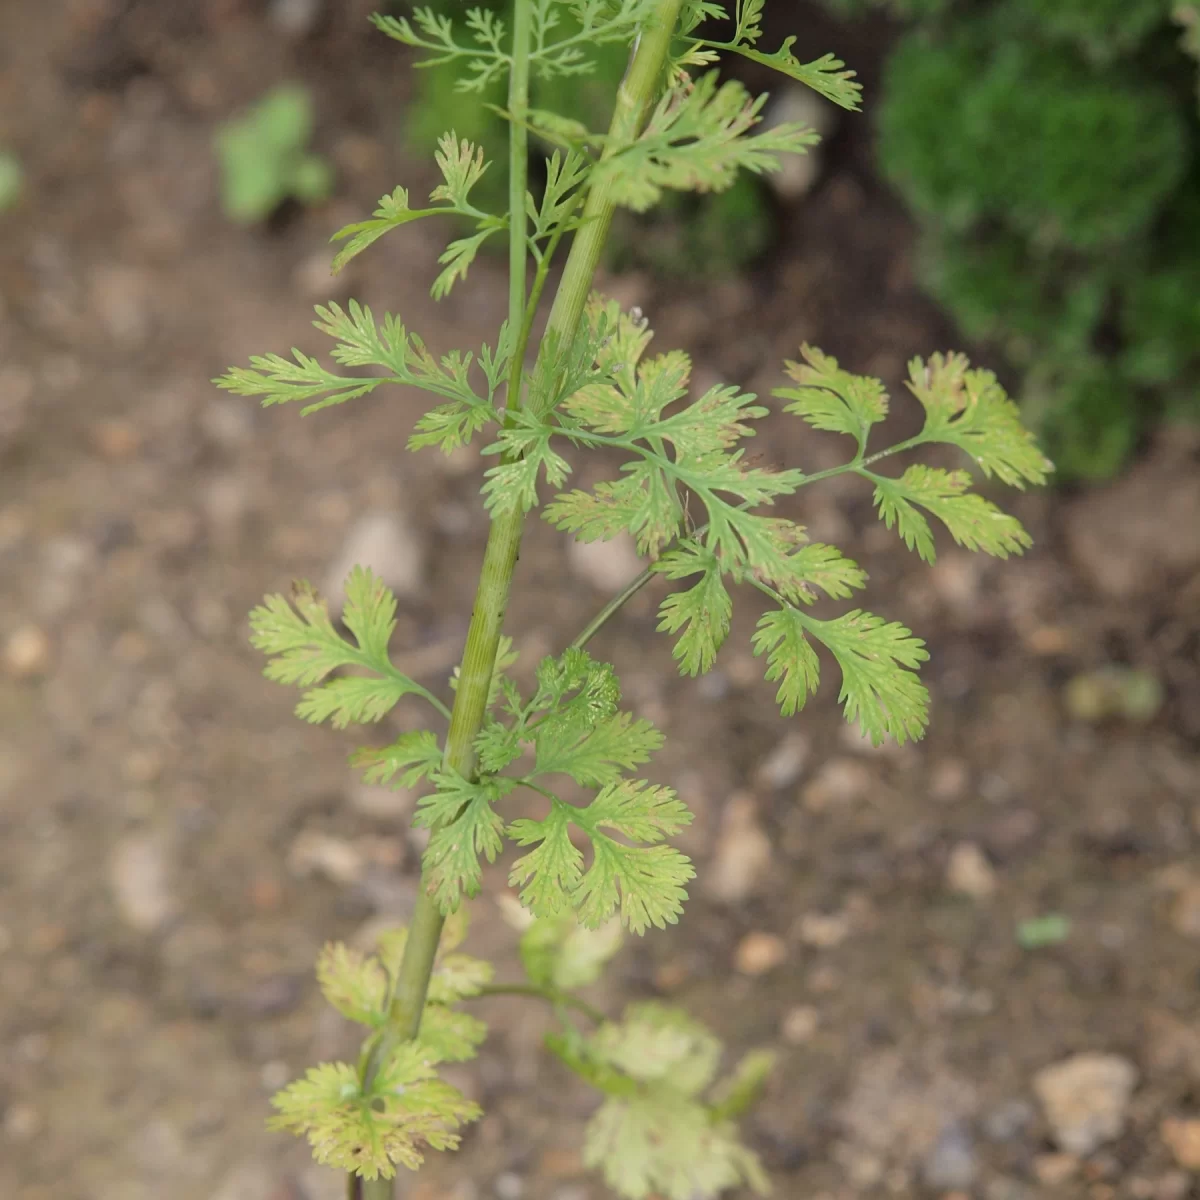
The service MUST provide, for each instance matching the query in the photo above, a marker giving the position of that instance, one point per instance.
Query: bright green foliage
(416, 754)
(406, 1109)
(832, 399)
(827, 75)
(1188, 16)
(561, 955)
(462, 166)
(1101, 29)
(480, 53)
(1048, 147)
(1027, 137)
(973, 522)
(465, 827)
(644, 882)
(304, 648)
(692, 236)
(574, 727)
(559, 48)
(697, 140)
(597, 860)
(264, 157)
(655, 1132)
(691, 453)
(371, 1132)
(363, 343)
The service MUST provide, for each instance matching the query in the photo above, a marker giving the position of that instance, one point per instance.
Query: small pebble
(116, 440)
(510, 1186)
(824, 930)
(800, 1024)
(949, 780)
(1174, 1185)
(785, 764)
(1182, 1138)
(390, 546)
(956, 578)
(314, 280)
(1054, 1170)
(671, 975)
(121, 299)
(799, 172)
(607, 565)
(758, 952)
(330, 857)
(561, 1162)
(1008, 1121)
(742, 860)
(951, 1165)
(1185, 910)
(27, 652)
(969, 873)
(294, 18)
(1086, 1099)
(22, 1122)
(139, 873)
(839, 781)
(382, 803)
(226, 422)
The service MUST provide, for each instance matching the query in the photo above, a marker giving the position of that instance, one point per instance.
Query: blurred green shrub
(688, 236)
(12, 179)
(1050, 150)
(265, 160)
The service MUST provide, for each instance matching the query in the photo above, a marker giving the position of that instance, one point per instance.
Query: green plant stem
(539, 283)
(635, 585)
(550, 995)
(637, 93)
(518, 171)
(610, 610)
(635, 96)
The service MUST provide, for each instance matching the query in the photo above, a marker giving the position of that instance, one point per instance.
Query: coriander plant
(701, 513)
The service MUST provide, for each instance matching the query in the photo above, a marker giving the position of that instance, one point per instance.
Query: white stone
(386, 543)
(742, 860)
(1086, 1099)
(322, 854)
(139, 874)
(798, 104)
(607, 566)
(969, 873)
(785, 764)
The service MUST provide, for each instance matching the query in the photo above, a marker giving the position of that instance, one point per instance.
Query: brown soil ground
(156, 934)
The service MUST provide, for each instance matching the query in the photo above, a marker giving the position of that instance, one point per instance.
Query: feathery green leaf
(968, 408)
(703, 611)
(973, 522)
(833, 399)
(697, 139)
(304, 647)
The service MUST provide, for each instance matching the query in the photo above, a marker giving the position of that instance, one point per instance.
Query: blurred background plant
(11, 179)
(1048, 150)
(265, 160)
(691, 236)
